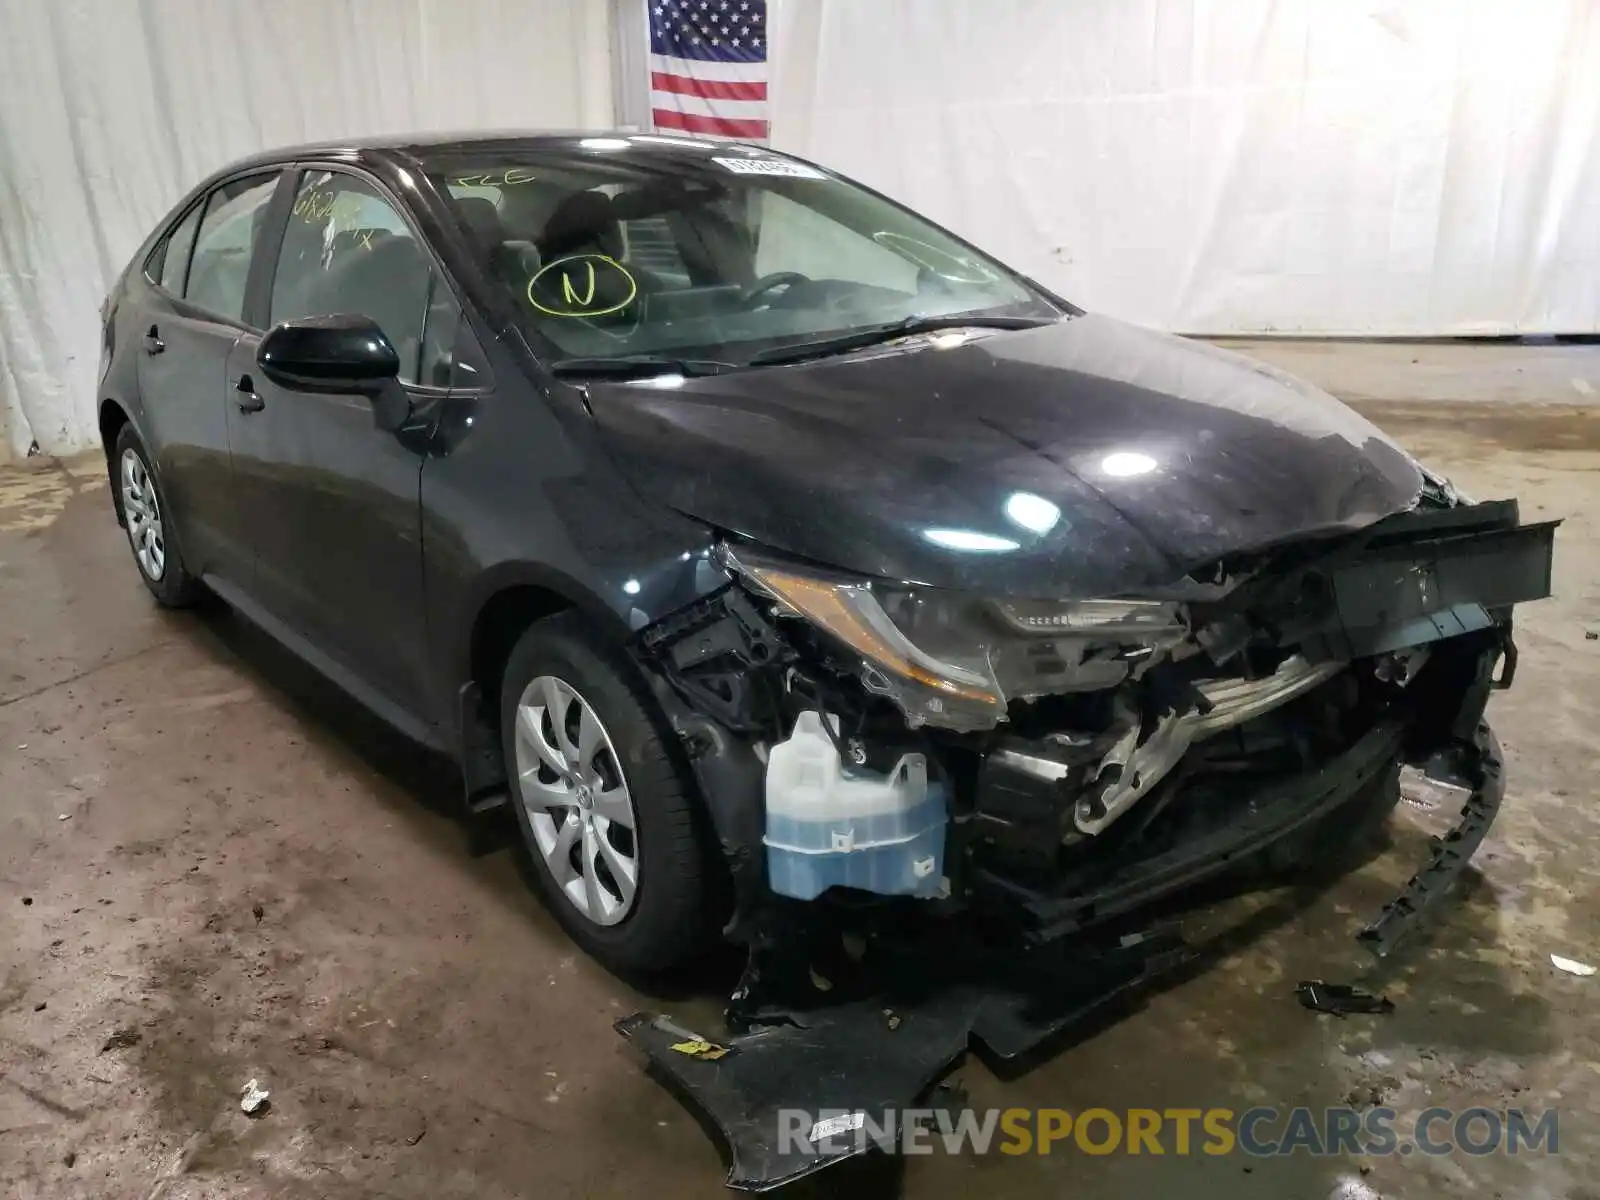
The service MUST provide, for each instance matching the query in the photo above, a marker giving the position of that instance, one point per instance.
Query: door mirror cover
(342, 353)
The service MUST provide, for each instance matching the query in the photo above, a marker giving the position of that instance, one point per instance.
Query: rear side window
(169, 265)
(221, 262)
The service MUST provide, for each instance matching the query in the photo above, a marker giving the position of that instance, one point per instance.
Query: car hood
(1084, 458)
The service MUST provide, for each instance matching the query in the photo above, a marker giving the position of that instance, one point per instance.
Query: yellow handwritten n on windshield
(570, 294)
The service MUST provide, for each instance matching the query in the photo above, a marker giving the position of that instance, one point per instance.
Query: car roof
(425, 145)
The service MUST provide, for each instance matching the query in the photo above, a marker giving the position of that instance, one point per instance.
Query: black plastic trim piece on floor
(860, 1061)
(1448, 858)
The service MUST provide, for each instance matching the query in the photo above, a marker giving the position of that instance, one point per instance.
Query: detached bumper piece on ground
(1251, 732)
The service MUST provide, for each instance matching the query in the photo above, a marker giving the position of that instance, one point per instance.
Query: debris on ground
(419, 1133)
(256, 1099)
(40, 1007)
(69, 1158)
(122, 1039)
(1571, 966)
(258, 912)
(27, 901)
(1340, 999)
(1591, 635)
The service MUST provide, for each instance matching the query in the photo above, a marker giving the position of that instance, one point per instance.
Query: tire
(665, 920)
(152, 537)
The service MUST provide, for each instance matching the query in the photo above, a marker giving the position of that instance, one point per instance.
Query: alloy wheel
(571, 787)
(142, 513)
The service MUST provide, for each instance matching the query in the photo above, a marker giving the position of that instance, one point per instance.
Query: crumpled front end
(1051, 764)
(950, 821)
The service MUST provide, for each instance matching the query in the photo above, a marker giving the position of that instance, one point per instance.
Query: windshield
(709, 252)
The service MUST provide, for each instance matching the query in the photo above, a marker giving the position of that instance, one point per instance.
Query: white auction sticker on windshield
(768, 166)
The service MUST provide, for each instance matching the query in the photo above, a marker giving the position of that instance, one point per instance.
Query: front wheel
(149, 525)
(606, 816)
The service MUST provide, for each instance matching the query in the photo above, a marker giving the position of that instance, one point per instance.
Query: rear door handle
(152, 342)
(244, 394)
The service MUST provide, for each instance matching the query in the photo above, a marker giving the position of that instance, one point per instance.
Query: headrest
(583, 218)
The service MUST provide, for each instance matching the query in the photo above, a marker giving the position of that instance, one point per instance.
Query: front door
(332, 501)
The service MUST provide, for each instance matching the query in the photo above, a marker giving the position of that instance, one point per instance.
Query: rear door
(193, 315)
(334, 500)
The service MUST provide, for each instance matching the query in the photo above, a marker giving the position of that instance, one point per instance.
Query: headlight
(928, 686)
(953, 659)
(1102, 618)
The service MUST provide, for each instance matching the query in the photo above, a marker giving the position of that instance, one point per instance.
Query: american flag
(708, 66)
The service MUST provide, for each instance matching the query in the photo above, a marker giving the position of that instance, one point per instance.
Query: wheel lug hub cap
(585, 796)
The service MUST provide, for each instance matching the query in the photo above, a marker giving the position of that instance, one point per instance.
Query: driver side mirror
(341, 353)
(344, 354)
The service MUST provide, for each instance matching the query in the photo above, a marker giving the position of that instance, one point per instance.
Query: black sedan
(780, 558)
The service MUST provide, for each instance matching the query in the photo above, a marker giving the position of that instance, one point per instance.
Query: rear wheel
(607, 819)
(149, 525)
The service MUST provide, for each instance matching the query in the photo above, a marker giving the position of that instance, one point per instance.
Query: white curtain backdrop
(111, 109)
(1226, 166)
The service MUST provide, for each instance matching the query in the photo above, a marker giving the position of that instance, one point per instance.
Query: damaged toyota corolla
(795, 570)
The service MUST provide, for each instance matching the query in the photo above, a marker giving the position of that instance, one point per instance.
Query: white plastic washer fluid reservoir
(832, 827)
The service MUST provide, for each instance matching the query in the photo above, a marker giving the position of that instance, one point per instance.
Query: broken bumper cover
(1022, 954)
(855, 1061)
(852, 1063)
(1448, 855)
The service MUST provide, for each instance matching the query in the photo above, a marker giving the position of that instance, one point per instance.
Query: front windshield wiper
(872, 334)
(637, 366)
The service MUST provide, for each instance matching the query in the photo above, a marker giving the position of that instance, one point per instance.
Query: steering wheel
(769, 283)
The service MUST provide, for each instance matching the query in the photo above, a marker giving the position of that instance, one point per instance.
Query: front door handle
(152, 341)
(244, 394)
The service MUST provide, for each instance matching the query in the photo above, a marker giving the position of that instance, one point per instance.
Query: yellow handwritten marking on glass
(315, 206)
(318, 207)
(572, 297)
(579, 297)
(510, 177)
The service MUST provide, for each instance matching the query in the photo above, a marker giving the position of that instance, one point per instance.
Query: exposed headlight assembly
(955, 660)
(1101, 618)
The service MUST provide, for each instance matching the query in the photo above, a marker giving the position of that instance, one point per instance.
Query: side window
(471, 366)
(450, 354)
(170, 263)
(437, 365)
(221, 262)
(347, 250)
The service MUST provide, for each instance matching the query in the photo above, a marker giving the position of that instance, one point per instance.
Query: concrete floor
(205, 847)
